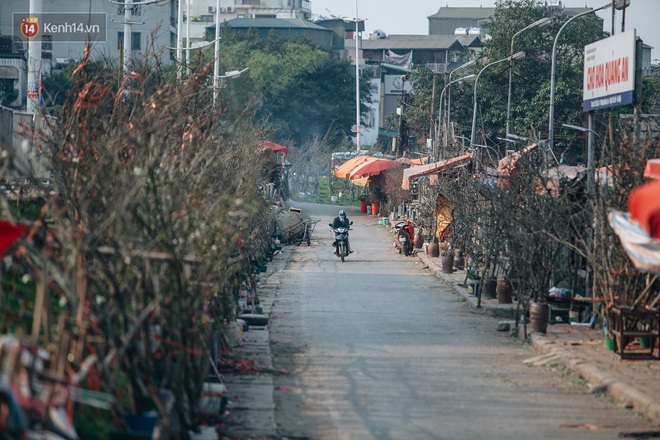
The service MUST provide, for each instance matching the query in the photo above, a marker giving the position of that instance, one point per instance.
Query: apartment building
(65, 27)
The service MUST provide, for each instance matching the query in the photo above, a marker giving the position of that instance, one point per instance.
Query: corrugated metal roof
(273, 23)
(481, 12)
(411, 42)
(449, 12)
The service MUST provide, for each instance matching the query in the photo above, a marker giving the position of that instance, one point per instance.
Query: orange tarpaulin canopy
(432, 168)
(372, 168)
(345, 169)
(421, 161)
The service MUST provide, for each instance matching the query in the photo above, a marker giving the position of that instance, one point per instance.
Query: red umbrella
(373, 168)
(275, 147)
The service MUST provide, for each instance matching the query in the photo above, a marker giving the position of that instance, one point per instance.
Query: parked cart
(307, 232)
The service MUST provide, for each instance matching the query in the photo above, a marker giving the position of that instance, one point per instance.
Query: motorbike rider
(341, 221)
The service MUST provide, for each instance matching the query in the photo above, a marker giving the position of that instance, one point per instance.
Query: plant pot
(539, 315)
(418, 241)
(448, 262)
(434, 249)
(490, 288)
(610, 344)
(375, 208)
(504, 292)
(363, 206)
(473, 287)
(459, 260)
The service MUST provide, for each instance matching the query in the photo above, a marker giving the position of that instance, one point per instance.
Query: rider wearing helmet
(341, 221)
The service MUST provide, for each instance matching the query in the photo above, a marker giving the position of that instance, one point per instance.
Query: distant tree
(530, 96)
(8, 93)
(297, 86)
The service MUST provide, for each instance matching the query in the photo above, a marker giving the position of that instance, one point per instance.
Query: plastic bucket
(473, 287)
(368, 209)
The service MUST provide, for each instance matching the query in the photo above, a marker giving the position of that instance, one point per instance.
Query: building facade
(65, 27)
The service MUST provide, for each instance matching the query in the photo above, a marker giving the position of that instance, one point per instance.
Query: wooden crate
(628, 325)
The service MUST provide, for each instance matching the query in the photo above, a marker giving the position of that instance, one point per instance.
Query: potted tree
(447, 260)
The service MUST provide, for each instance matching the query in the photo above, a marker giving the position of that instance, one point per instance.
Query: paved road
(379, 349)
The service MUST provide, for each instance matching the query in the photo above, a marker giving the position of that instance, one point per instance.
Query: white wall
(154, 17)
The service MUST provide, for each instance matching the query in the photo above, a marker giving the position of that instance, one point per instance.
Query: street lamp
(465, 78)
(462, 66)
(538, 23)
(516, 56)
(219, 81)
(551, 118)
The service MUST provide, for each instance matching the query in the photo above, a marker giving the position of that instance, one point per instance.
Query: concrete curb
(502, 311)
(627, 395)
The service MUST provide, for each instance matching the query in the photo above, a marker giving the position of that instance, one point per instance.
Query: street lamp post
(539, 23)
(216, 54)
(551, 117)
(517, 56)
(465, 78)
(357, 81)
(462, 66)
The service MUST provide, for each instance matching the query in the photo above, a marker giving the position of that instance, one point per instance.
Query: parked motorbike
(404, 234)
(341, 241)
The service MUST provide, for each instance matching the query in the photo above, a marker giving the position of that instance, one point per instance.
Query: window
(46, 42)
(135, 43)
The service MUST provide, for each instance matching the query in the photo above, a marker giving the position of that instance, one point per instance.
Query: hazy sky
(410, 17)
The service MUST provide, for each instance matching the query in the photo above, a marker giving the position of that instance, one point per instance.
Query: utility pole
(34, 63)
(128, 34)
(179, 40)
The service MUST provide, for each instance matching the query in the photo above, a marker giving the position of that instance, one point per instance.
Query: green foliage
(8, 92)
(420, 107)
(530, 92)
(298, 87)
(26, 209)
(92, 423)
(530, 97)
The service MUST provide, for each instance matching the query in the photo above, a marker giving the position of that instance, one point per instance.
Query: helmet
(342, 214)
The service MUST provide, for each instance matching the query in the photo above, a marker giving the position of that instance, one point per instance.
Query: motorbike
(404, 234)
(341, 241)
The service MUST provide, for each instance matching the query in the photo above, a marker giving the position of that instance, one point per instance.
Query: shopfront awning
(432, 168)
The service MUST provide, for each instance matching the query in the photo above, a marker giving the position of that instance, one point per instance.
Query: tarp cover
(432, 168)
(643, 251)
